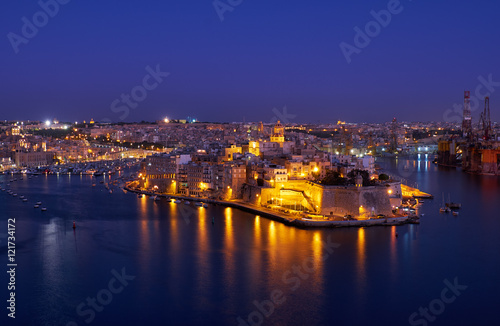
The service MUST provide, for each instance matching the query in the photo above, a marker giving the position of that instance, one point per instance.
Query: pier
(299, 221)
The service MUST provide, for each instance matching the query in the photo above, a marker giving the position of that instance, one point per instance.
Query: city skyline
(361, 62)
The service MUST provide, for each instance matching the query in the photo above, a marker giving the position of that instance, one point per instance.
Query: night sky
(263, 55)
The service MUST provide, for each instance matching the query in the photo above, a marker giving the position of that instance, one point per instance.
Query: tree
(333, 178)
(383, 177)
(364, 174)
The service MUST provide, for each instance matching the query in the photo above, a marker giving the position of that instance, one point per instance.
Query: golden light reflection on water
(257, 230)
(174, 229)
(228, 230)
(143, 206)
(272, 233)
(202, 229)
(203, 277)
(144, 241)
(393, 250)
(273, 250)
(229, 255)
(361, 263)
(317, 249)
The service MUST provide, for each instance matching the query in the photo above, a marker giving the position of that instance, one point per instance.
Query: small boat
(198, 204)
(205, 205)
(187, 202)
(455, 213)
(44, 209)
(22, 197)
(152, 197)
(38, 203)
(25, 200)
(15, 195)
(157, 198)
(454, 205)
(177, 201)
(139, 196)
(444, 208)
(36, 206)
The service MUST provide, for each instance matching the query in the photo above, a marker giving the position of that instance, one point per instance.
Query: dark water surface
(189, 271)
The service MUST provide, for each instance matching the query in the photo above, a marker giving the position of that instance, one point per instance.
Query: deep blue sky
(264, 55)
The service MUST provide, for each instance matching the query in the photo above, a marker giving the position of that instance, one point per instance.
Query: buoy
(74, 225)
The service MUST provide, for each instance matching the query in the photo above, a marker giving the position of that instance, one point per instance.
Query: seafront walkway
(300, 221)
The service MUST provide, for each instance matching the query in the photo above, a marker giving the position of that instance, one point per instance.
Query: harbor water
(136, 261)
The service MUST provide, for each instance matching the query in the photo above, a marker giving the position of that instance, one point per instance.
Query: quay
(296, 221)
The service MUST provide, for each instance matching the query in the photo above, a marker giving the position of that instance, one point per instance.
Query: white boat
(25, 200)
(36, 206)
(444, 208)
(187, 202)
(38, 203)
(177, 201)
(44, 209)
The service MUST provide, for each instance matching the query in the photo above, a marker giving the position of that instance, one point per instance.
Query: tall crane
(485, 121)
(467, 118)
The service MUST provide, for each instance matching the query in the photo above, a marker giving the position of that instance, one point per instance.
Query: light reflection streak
(272, 244)
(203, 278)
(393, 251)
(257, 230)
(317, 249)
(361, 264)
(229, 256)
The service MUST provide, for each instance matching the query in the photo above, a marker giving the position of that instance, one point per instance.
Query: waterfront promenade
(299, 221)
